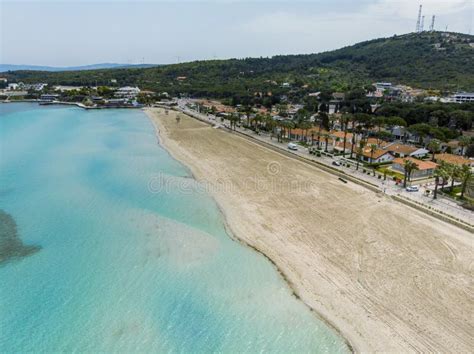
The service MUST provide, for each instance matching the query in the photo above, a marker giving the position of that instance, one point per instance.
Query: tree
(434, 146)
(326, 140)
(470, 150)
(359, 152)
(443, 173)
(248, 112)
(345, 119)
(435, 194)
(466, 175)
(464, 141)
(305, 126)
(455, 172)
(324, 120)
(408, 166)
(373, 149)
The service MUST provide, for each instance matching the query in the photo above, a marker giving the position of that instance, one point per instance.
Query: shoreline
(331, 302)
(230, 232)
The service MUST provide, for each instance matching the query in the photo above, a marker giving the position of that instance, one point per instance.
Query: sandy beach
(387, 277)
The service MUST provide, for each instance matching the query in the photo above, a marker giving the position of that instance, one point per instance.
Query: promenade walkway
(442, 204)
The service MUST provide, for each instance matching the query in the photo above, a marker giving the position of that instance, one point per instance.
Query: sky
(81, 32)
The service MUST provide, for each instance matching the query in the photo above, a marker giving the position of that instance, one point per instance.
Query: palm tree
(443, 173)
(455, 174)
(373, 149)
(344, 122)
(437, 176)
(434, 146)
(409, 166)
(248, 112)
(463, 142)
(466, 176)
(326, 140)
(270, 124)
(318, 134)
(288, 125)
(305, 126)
(359, 152)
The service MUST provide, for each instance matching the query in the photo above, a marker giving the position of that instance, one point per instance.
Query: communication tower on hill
(422, 27)
(418, 22)
(432, 23)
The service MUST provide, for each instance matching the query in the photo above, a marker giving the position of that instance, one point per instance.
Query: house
(13, 86)
(453, 159)
(374, 141)
(425, 168)
(340, 147)
(338, 136)
(398, 132)
(378, 156)
(338, 96)
(451, 147)
(306, 135)
(403, 150)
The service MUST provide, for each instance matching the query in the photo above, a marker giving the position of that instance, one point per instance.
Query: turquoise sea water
(111, 266)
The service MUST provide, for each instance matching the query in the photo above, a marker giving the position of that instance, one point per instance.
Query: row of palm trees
(434, 146)
(444, 173)
(447, 171)
(360, 124)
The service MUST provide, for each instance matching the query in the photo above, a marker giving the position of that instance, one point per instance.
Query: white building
(463, 97)
(127, 92)
(13, 86)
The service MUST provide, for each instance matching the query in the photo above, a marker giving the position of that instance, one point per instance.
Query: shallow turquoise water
(121, 268)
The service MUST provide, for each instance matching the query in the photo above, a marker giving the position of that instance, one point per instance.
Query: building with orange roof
(403, 150)
(425, 169)
(339, 146)
(453, 159)
(378, 156)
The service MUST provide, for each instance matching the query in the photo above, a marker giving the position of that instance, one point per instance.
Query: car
(336, 163)
(292, 146)
(412, 189)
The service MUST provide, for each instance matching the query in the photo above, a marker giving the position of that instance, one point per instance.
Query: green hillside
(434, 60)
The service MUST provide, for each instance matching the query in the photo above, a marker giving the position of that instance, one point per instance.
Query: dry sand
(388, 277)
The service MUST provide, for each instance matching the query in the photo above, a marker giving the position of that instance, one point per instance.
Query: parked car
(413, 189)
(292, 146)
(336, 163)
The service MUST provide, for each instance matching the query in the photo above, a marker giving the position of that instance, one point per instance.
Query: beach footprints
(274, 168)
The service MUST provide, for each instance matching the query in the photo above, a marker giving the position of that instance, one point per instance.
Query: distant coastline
(62, 103)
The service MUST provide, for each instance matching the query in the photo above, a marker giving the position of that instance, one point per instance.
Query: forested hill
(436, 60)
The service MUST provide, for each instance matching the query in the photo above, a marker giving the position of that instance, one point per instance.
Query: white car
(413, 189)
(292, 146)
